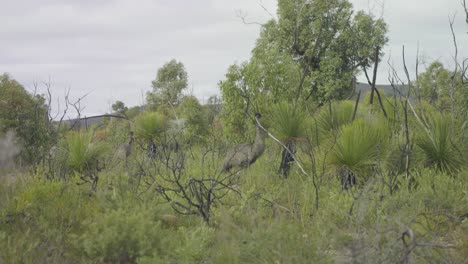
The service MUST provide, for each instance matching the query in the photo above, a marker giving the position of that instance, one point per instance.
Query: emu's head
(257, 115)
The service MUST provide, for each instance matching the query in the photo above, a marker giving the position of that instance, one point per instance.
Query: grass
(273, 220)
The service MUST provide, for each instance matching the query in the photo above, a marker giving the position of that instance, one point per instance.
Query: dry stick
(266, 10)
(419, 120)
(452, 78)
(356, 105)
(405, 108)
(372, 84)
(417, 76)
(466, 10)
(408, 102)
(374, 77)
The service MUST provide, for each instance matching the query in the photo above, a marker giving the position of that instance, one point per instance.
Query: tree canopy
(119, 107)
(435, 85)
(26, 115)
(170, 81)
(310, 54)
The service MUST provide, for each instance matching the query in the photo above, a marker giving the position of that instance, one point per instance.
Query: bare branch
(243, 16)
(465, 6)
(454, 74)
(373, 83)
(266, 10)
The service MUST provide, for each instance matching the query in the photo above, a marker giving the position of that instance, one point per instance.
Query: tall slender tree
(170, 81)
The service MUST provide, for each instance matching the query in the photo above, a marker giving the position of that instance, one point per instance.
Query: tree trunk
(286, 159)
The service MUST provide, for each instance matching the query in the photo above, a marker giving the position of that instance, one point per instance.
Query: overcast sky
(112, 49)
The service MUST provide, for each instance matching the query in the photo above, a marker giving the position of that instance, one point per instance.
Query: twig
(452, 77)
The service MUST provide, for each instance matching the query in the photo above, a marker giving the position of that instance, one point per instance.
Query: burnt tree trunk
(286, 159)
(152, 149)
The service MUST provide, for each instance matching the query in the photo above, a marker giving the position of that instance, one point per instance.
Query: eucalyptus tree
(27, 115)
(119, 107)
(309, 54)
(170, 81)
(434, 86)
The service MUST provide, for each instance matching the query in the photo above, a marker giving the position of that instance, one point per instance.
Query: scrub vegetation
(330, 175)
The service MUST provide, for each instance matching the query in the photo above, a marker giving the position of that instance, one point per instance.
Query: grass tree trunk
(287, 159)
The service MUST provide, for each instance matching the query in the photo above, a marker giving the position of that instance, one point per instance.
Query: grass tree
(330, 118)
(289, 126)
(85, 154)
(150, 127)
(440, 143)
(358, 150)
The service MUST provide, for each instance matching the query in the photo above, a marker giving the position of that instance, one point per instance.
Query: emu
(245, 154)
(127, 148)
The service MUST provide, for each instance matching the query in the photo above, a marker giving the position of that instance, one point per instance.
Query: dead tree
(245, 154)
(187, 191)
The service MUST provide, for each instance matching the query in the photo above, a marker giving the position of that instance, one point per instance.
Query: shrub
(120, 236)
(150, 125)
(440, 146)
(359, 147)
(38, 218)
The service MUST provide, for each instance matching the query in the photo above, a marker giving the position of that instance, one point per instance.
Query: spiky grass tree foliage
(335, 115)
(84, 153)
(150, 125)
(358, 149)
(330, 118)
(289, 126)
(442, 143)
(288, 121)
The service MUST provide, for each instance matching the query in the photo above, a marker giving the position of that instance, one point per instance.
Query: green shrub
(332, 117)
(38, 219)
(137, 235)
(84, 153)
(440, 145)
(288, 121)
(120, 236)
(150, 125)
(359, 146)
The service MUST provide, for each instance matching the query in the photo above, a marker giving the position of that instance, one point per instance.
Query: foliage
(84, 153)
(288, 122)
(150, 125)
(177, 206)
(195, 121)
(334, 116)
(26, 115)
(124, 236)
(312, 51)
(127, 217)
(119, 107)
(435, 86)
(440, 144)
(38, 218)
(132, 112)
(330, 119)
(8, 151)
(359, 147)
(170, 81)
